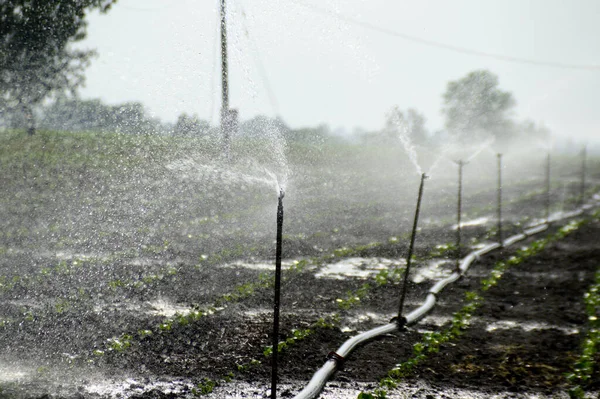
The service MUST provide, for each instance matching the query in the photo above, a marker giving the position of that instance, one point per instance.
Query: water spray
(277, 295)
(410, 250)
(499, 205)
(226, 113)
(460, 164)
(582, 189)
(547, 188)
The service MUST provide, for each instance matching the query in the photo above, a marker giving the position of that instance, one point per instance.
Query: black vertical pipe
(548, 188)
(224, 66)
(459, 214)
(277, 296)
(582, 189)
(411, 247)
(225, 113)
(499, 198)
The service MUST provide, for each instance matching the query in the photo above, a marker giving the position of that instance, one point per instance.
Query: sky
(315, 62)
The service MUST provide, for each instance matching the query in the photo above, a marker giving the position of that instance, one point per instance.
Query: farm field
(142, 266)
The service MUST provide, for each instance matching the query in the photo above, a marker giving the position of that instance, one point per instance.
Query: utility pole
(227, 117)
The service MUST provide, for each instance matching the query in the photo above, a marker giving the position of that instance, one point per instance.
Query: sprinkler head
(281, 193)
(425, 176)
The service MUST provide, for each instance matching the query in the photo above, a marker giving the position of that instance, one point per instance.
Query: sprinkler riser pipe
(459, 214)
(278, 248)
(582, 189)
(548, 188)
(499, 205)
(411, 247)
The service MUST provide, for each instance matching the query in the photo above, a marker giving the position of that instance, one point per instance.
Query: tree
(474, 105)
(534, 134)
(73, 114)
(410, 124)
(36, 60)
(190, 126)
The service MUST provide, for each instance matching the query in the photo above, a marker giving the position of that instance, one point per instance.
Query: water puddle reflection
(528, 326)
(361, 268)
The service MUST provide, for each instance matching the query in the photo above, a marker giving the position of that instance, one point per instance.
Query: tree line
(37, 64)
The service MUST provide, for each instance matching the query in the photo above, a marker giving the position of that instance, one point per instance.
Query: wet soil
(94, 263)
(522, 340)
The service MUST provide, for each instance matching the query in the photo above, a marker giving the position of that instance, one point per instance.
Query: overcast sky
(309, 62)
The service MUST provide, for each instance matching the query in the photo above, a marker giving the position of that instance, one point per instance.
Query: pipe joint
(337, 357)
(401, 322)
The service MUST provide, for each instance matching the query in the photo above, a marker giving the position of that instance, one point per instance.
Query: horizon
(163, 58)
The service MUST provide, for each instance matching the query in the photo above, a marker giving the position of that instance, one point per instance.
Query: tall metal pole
(459, 214)
(582, 189)
(548, 188)
(411, 247)
(277, 296)
(225, 117)
(499, 198)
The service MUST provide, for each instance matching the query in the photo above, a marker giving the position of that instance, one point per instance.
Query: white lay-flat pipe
(350, 344)
(536, 230)
(320, 378)
(422, 310)
(439, 286)
(513, 239)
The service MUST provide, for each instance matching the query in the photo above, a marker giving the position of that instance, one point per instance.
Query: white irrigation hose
(320, 378)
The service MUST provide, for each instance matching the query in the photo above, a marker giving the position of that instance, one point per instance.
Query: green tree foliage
(474, 106)
(73, 114)
(36, 60)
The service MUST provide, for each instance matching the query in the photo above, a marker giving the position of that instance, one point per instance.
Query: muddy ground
(105, 253)
(521, 341)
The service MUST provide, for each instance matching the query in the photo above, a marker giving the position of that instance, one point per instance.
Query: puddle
(481, 221)
(259, 265)
(164, 307)
(351, 323)
(435, 269)
(131, 387)
(361, 268)
(528, 326)
(156, 307)
(435, 320)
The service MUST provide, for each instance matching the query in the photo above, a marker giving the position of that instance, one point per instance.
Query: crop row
(432, 342)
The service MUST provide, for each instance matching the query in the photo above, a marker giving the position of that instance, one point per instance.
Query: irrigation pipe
(335, 359)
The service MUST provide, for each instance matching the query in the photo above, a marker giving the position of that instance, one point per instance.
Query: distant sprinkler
(499, 204)
(547, 188)
(582, 188)
(460, 164)
(276, 301)
(401, 319)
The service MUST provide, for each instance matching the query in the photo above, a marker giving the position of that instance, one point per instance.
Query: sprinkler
(583, 156)
(548, 188)
(499, 210)
(410, 250)
(277, 295)
(460, 164)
